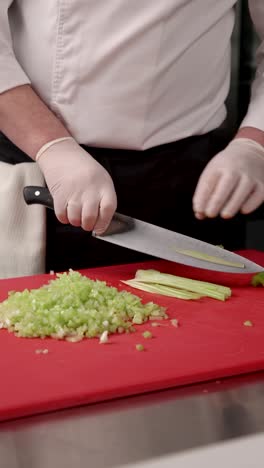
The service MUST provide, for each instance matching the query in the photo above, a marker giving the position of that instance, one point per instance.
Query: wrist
(61, 153)
(27, 121)
(48, 145)
(242, 145)
(251, 133)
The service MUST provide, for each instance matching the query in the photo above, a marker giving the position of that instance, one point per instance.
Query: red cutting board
(210, 343)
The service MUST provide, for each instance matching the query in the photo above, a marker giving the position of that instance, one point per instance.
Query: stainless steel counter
(136, 430)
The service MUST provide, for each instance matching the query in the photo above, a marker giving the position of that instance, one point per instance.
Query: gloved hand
(82, 189)
(232, 182)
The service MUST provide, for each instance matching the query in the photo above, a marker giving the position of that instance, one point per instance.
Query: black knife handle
(34, 195)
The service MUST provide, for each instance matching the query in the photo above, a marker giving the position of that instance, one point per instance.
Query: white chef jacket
(127, 74)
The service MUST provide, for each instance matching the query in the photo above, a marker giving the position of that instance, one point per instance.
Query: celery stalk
(200, 287)
(162, 290)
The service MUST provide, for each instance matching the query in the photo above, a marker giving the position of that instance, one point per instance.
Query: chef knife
(159, 242)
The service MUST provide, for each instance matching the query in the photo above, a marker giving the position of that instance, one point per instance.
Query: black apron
(155, 185)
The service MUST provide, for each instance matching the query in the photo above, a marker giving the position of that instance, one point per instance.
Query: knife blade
(155, 241)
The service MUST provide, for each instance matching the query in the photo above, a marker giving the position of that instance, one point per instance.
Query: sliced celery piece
(162, 289)
(209, 258)
(200, 287)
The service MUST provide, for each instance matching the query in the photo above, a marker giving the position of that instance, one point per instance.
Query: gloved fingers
(227, 183)
(90, 211)
(255, 199)
(238, 197)
(200, 216)
(205, 187)
(224, 186)
(219, 193)
(107, 209)
(60, 208)
(74, 212)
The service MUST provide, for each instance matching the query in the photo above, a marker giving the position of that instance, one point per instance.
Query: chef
(121, 104)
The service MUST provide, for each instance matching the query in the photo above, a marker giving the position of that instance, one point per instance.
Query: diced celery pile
(73, 307)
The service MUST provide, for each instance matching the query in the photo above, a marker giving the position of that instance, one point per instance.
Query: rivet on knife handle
(38, 196)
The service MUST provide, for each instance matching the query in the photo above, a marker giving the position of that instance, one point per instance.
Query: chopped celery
(162, 290)
(73, 307)
(147, 334)
(175, 323)
(104, 337)
(209, 258)
(42, 351)
(157, 324)
(248, 323)
(73, 339)
(258, 280)
(200, 287)
(140, 347)
(157, 317)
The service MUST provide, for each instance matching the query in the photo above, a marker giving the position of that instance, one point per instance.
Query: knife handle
(34, 195)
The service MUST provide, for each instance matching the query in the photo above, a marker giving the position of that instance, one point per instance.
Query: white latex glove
(82, 189)
(232, 182)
